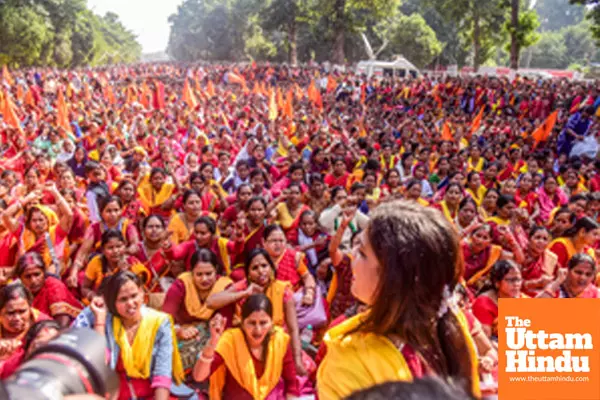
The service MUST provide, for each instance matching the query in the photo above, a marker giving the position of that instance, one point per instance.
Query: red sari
(55, 299)
(291, 267)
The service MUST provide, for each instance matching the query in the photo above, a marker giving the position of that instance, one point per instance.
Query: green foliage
(549, 52)
(62, 33)
(593, 15)
(557, 14)
(526, 32)
(411, 37)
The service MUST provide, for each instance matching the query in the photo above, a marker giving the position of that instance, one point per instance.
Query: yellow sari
(238, 362)
(357, 360)
(193, 305)
(150, 198)
(177, 225)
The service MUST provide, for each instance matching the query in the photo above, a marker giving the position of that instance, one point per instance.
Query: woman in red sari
(132, 208)
(450, 205)
(290, 265)
(50, 295)
(578, 239)
(540, 263)
(111, 212)
(16, 316)
(506, 282)
(576, 281)
(152, 255)
(479, 255)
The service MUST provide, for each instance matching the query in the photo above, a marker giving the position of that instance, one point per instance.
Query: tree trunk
(476, 37)
(293, 41)
(339, 33)
(514, 43)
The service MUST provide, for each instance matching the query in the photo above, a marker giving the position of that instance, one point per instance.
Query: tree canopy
(62, 33)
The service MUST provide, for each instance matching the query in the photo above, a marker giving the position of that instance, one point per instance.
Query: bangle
(548, 292)
(205, 359)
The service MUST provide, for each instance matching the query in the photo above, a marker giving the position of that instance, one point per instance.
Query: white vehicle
(400, 68)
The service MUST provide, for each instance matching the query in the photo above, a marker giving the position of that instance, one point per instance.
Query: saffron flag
(6, 76)
(159, 95)
(272, 106)
(331, 84)
(447, 132)
(280, 104)
(288, 109)
(9, 114)
(188, 96)
(477, 121)
(542, 133)
(62, 119)
(210, 89)
(109, 95)
(29, 100)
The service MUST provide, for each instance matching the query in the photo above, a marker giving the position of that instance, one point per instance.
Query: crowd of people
(268, 232)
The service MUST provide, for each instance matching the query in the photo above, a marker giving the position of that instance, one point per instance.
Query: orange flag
(9, 114)
(20, 94)
(447, 133)
(280, 104)
(236, 79)
(312, 89)
(299, 92)
(144, 96)
(188, 96)
(6, 76)
(86, 92)
(543, 132)
(477, 121)
(62, 118)
(272, 106)
(318, 99)
(29, 100)
(109, 95)
(363, 95)
(210, 89)
(288, 109)
(331, 84)
(255, 89)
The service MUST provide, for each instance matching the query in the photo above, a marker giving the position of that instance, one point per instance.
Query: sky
(146, 18)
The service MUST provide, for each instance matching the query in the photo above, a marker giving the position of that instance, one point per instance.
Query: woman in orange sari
(474, 187)
(50, 295)
(288, 207)
(42, 231)
(450, 205)
(156, 195)
(113, 259)
(578, 239)
(182, 224)
(576, 281)
(260, 273)
(505, 282)
(253, 361)
(16, 316)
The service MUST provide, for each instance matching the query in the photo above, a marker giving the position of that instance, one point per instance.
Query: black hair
(207, 256)
(14, 291)
(35, 329)
(504, 199)
(107, 235)
(428, 388)
(27, 259)
(188, 193)
(254, 199)
(270, 229)
(581, 258)
(149, 217)
(111, 285)
(586, 223)
(259, 251)
(209, 222)
(105, 201)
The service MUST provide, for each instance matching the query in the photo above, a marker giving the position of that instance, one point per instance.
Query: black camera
(73, 363)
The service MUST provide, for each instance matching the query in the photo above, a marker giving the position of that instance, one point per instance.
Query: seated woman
(182, 224)
(309, 239)
(205, 236)
(42, 231)
(151, 254)
(412, 192)
(132, 208)
(290, 265)
(575, 281)
(260, 278)
(50, 295)
(37, 335)
(288, 207)
(16, 316)
(467, 216)
(505, 282)
(452, 199)
(480, 255)
(141, 341)
(253, 361)
(156, 195)
(112, 260)
(403, 242)
(578, 239)
(186, 303)
(111, 213)
(540, 263)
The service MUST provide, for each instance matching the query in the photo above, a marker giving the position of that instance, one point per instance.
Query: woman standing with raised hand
(405, 270)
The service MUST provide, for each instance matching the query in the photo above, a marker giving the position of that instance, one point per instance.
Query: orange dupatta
(238, 362)
(193, 305)
(495, 254)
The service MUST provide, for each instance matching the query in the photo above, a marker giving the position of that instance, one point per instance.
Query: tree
(522, 30)
(479, 21)
(348, 17)
(286, 15)
(593, 15)
(549, 52)
(411, 37)
(556, 14)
